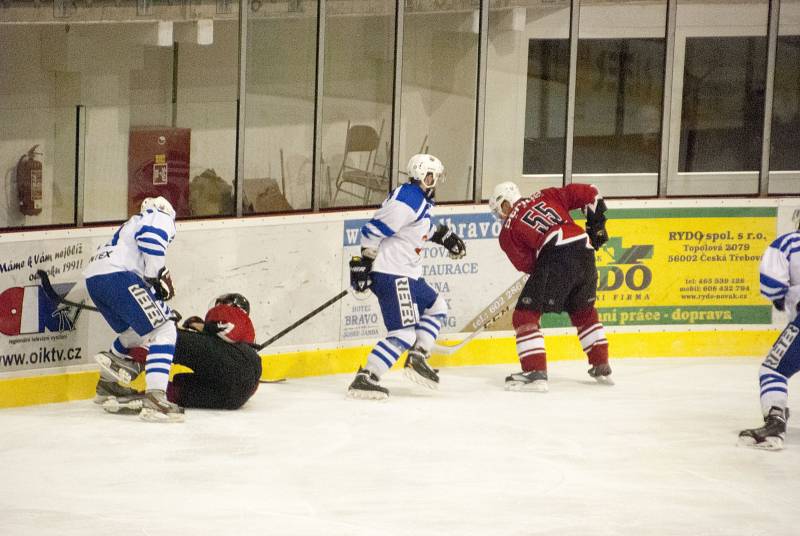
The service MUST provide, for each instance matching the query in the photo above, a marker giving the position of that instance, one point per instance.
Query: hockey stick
(319, 309)
(51, 293)
(447, 350)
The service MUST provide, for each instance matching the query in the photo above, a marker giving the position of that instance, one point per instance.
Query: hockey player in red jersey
(218, 349)
(541, 239)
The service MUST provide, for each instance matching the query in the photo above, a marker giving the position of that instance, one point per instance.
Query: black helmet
(235, 299)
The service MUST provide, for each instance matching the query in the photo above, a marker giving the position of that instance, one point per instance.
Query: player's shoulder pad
(411, 195)
(785, 241)
(161, 220)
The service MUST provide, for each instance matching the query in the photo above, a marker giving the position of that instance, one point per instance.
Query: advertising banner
(661, 266)
(36, 333)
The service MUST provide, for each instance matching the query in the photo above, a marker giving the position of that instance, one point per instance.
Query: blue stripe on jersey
(774, 389)
(789, 240)
(773, 295)
(149, 240)
(381, 227)
(412, 195)
(150, 229)
(152, 252)
(771, 378)
(162, 349)
(768, 282)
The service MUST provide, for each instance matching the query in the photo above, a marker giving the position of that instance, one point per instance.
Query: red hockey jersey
(543, 218)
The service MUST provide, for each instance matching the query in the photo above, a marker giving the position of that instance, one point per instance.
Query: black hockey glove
(360, 268)
(162, 285)
(780, 304)
(596, 224)
(451, 241)
(597, 236)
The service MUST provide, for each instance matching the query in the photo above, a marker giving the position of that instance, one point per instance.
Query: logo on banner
(619, 266)
(28, 310)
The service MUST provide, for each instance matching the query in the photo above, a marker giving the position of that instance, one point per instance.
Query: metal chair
(363, 141)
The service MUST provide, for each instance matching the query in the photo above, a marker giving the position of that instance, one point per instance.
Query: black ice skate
(107, 389)
(122, 370)
(156, 408)
(417, 370)
(365, 386)
(602, 374)
(771, 435)
(534, 381)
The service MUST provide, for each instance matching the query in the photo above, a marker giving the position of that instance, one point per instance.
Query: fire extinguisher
(29, 183)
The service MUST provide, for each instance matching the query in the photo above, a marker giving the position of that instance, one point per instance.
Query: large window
(37, 128)
(279, 116)
(619, 96)
(785, 140)
(546, 107)
(717, 98)
(357, 105)
(527, 70)
(440, 61)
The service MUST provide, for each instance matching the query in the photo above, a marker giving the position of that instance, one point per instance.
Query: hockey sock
(428, 330)
(156, 368)
(385, 354)
(530, 341)
(774, 389)
(591, 334)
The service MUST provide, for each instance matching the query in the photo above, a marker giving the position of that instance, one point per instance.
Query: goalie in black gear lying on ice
(225, 368)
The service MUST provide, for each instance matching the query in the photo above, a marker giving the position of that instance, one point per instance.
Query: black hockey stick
(51, 293)
(319, 309)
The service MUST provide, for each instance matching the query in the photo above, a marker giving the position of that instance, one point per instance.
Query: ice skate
(417, 370)
(156, 408)
(365, 387)
(533, 381)
(123, 370)
(124, 405)
(107, 389)
(601, 374)
(771, 435)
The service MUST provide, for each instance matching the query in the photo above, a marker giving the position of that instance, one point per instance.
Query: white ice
(654, 455)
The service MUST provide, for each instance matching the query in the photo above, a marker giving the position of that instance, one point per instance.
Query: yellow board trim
(15, 392)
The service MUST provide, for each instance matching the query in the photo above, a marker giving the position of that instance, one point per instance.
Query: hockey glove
(162, 285)
(360, 268)
(450, 240)
(597, 235)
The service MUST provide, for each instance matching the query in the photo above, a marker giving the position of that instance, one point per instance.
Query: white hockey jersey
(139, 246)
(399, 230)
(780, 272)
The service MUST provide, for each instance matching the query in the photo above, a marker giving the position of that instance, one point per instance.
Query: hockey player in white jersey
(391, 267)
(780, 282)
(128, 281)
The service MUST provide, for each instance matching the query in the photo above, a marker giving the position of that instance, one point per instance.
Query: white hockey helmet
(505, 191)
(421, 165)
(158, 203)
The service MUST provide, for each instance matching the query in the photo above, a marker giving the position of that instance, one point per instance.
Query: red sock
(530, 341)
(591, 334)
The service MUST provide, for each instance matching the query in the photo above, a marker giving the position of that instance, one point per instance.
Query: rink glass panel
(785, 139)
(279, 114)
(440, 62)
(358, 78)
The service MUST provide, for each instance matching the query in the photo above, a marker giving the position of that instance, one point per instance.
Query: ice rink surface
(654, 455)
